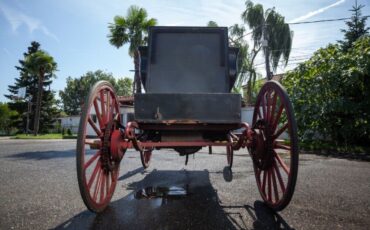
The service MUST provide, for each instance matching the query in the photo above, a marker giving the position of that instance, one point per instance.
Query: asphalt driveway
(38, 190)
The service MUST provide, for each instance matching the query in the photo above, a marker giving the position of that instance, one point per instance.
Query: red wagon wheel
(229, 152)
(275, 146)
(97, 169)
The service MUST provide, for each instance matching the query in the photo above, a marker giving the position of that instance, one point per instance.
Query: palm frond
(131, 29)
(40, 61)
(253, 16)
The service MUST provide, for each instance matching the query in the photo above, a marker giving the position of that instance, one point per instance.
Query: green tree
(132, 29)
(29, 81)
(356, 27)
(246, 70)
(331, 94)
(77, 89)
(6, 115)
(212, 24)
(124, 86)
(39, 64)
(271, 32)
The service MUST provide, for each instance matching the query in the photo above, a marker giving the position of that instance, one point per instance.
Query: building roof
(126, 100)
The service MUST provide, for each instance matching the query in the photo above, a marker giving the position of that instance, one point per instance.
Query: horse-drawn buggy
(187, 74)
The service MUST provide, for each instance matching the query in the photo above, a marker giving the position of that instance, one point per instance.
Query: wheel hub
(110, 154)
(262, 146)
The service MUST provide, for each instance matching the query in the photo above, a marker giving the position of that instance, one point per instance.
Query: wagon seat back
(187, 74)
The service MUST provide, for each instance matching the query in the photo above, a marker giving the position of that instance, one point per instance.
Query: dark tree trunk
(38, 103)
(267, 61)
(267, 53)
(137, 80)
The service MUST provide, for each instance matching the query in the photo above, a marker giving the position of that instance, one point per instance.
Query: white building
(73, 122)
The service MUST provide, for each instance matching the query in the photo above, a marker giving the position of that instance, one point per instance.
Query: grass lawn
(44, 136)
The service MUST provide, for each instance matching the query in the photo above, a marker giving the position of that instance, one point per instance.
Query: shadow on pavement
(47, 155)
(265, 218)
(198, 209)
(132, 173)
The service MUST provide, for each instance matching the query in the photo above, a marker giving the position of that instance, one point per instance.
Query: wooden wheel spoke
(94, 144)
(107, 183)
(276, 192)
(281, 146)
(282, 163)
(264, 182)
(102, 106)
(91, 160)
(280, 179)
(274, 100)
(91, 122)
(102, 184)
(276, 120)
(112, 108)
(268, 106)
(113, 175)
(281, 130)
(269, 185)
(263, 104)
(259, 113)
(108, 106)
(98, 115)
(97, 185)
(258, 173)
(93, 175)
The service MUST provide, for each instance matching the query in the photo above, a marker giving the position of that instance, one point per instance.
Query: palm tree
(131, 29)
(246, 70)
(270, 31)
(39, 64)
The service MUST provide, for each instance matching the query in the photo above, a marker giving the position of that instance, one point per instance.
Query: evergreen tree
(356, 27)
(28, 80)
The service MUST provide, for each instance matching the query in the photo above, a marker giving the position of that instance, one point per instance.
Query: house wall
(70, 122)
(247, 116)
(73, 122)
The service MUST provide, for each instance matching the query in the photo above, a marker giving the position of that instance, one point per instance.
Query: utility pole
(267, 51)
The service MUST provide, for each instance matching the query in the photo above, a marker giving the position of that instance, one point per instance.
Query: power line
(324, 20)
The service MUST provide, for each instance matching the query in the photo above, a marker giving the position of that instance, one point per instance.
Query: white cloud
(16, 19)
(316, 12)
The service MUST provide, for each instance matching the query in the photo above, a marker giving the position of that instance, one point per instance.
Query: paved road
(38, 190)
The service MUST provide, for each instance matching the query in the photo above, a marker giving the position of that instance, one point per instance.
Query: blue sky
(75, 32)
